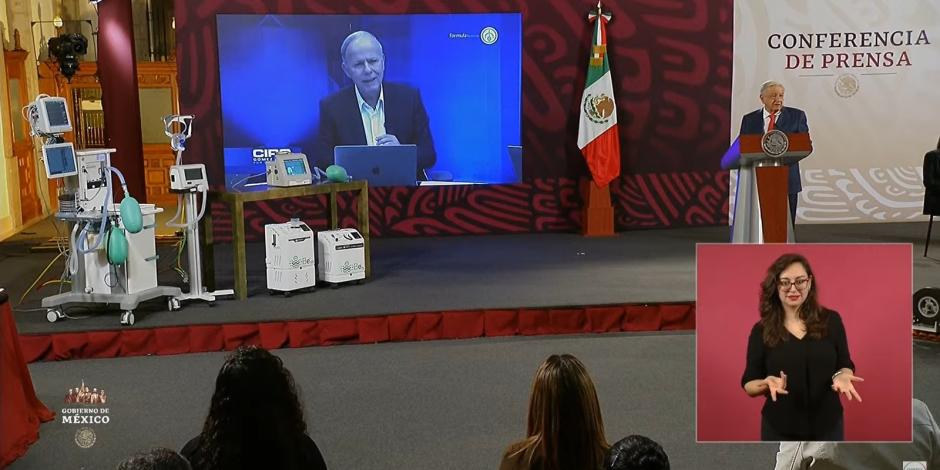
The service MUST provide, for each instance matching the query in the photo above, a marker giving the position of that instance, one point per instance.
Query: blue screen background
(274, 69)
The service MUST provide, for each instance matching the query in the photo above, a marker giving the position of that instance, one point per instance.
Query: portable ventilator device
(290, 256)
(288, 169)
(342, 256)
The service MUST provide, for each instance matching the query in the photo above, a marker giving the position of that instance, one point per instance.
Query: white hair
(356, 36)
(770, 84)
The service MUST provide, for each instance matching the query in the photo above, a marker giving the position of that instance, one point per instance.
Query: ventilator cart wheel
(53, 315)
(927, 305)
(127, 318)
(173, 304)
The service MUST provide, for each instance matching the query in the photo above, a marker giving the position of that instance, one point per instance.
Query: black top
(932, 182)
(811, 407)
(310, 457)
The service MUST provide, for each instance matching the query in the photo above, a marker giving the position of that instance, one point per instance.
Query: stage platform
(527, 280)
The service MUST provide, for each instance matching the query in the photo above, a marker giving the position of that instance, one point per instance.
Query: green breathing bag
(131, 217)
(336, 174)
(117, 246)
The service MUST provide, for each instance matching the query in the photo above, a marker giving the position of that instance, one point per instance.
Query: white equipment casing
(290, 256)
(342, 255)
(188, 177)
(93, 179)
(288, 169)
(138, 273)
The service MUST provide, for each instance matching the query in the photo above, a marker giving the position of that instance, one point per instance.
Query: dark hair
(771, 309)
(636, 453)
(256, 418)
(565, 428)
(159, 458)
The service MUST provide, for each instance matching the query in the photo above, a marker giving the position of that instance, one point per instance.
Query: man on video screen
(372, 112)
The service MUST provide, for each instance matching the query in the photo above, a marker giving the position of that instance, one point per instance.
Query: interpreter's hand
(386, 139)
(843, 384)
(776, 385)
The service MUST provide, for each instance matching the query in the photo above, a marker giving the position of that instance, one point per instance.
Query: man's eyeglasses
(360, 66)
(800, 283)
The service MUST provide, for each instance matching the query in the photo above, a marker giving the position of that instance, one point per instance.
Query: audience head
(159, 458)
(636, 453)
(565, 428)
(255, 413)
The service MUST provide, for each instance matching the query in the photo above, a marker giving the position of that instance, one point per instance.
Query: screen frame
(45, 160)
(44, 123)
(245, 145)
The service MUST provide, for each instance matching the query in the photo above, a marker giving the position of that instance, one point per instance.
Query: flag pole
(597, 213)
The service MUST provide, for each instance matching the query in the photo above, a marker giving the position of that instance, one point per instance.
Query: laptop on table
(380, 165)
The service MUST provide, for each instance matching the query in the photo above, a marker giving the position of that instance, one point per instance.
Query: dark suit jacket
(932, 182)
(405, 118)
(789, 121)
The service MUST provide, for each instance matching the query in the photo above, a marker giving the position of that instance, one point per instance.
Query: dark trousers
(794, 199)
(768, 433)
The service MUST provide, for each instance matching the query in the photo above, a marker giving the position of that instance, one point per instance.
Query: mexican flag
(598, 138)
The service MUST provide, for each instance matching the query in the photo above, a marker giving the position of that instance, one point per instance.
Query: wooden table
(236, 204)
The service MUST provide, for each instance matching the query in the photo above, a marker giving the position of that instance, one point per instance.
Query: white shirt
(925, 447)
(373, 119)
(767, 119)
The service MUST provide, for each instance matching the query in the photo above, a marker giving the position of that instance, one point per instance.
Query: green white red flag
(598, 137)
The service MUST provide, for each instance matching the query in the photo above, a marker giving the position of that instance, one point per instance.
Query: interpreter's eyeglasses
(800, 283)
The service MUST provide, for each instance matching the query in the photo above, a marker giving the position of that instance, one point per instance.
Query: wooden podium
(761, 205)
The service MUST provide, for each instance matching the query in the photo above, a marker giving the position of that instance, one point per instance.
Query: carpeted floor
(432, 405)
(458, 273)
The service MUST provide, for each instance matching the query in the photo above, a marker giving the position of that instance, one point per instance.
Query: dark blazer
(932, 182)
(405, 118)
(789, 121)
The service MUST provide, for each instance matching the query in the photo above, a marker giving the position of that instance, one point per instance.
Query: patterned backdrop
(671, 63)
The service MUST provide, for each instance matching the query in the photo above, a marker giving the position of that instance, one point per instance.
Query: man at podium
(773, 115)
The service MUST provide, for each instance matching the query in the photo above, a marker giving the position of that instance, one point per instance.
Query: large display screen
(278, 73)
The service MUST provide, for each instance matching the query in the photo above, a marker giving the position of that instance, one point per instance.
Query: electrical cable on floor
(38, 278)
(64, 311)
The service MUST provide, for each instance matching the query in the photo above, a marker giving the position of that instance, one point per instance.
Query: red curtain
(358, 330)
(21, 410)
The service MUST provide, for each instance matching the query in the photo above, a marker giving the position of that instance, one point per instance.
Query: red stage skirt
(20, 410)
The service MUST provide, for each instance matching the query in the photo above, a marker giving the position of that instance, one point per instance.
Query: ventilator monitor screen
(53, 115)
(59, 159)
(295, 167)
(55, 109)
(193, 174)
